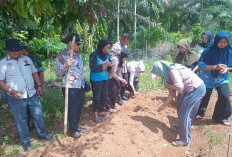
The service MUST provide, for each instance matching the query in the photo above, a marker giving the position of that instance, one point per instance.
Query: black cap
(14, 44)
(70, 38)
(126, 52)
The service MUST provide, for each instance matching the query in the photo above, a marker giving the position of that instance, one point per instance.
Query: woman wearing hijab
(215, 62)
(99, 65)
(115, 77)
(186, 56)
(177, 77)
(207, 40)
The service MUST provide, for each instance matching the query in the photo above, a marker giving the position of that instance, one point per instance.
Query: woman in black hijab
(207, 40)
(99, 63)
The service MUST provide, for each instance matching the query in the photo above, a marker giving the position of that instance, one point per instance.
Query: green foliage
(196, 34)
(214, 138)
(53, 105)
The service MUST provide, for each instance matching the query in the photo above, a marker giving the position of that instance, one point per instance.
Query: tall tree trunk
(135, 26)
(48, 52)
(118, 12)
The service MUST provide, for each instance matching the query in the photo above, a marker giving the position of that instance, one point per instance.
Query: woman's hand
(104, 65)
(220, 67)
(223, 71)
(109, 64)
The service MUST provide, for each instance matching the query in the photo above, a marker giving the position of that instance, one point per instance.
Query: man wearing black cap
(76, 94)
(115, 76)
(116, 51)
(19, 74)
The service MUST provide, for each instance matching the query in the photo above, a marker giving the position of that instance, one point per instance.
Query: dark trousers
(125, 76)
(222, 108)
(76, 98)
(100, 95)
(112, 93)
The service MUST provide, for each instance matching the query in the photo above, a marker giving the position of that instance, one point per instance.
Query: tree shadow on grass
(154, 125)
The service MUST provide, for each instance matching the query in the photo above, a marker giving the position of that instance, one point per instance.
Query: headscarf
(100, 47)
(213, 55)
(187, 58)
(163, 67)
(140, 66)
(210, 40)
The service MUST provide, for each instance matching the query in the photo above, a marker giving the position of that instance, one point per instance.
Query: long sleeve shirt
(184, 80)
(115, 71)
(76, 78)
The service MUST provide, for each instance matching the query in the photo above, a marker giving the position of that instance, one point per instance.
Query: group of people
(193, 75)
(21, 76)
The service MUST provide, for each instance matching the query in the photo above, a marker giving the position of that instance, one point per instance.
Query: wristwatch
(40, 85)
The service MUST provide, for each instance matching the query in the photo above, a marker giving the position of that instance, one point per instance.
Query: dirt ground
(134, 130)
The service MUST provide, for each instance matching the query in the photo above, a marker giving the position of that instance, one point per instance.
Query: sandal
(112, 110)
(175, 127)
(224, 122)
(97, 120)
(179, 143)
(105, 115)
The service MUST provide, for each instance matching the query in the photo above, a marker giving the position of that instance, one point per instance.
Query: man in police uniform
(17, 76)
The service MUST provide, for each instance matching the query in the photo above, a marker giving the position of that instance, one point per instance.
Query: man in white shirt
(17, 77)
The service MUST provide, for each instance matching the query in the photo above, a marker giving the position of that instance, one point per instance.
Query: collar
(8, 57)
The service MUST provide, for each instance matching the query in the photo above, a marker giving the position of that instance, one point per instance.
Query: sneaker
(124, 98)
(179, 143)
(46, 137)
(76, 134)
(112, 110)
(81, 129)
(120, 102)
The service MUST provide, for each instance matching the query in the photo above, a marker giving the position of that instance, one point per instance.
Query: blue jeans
(187, 108)
(19, 110)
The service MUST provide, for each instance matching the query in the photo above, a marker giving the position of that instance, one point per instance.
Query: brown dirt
(135, 130)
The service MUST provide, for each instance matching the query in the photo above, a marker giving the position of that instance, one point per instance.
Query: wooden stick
(228, 150)
(66, 91)
(155, 99)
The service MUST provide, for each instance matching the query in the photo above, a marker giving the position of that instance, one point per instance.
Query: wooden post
(155, 99)
(66, 91)
(228, 150)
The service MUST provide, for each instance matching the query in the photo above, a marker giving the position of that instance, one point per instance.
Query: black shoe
(76, 134)
(120, 102)
(81, 129)
(124, 98)
(46, 137)
(27, 146)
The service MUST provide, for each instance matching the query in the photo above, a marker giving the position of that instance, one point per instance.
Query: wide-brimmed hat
(70, 38)
(14, 44)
